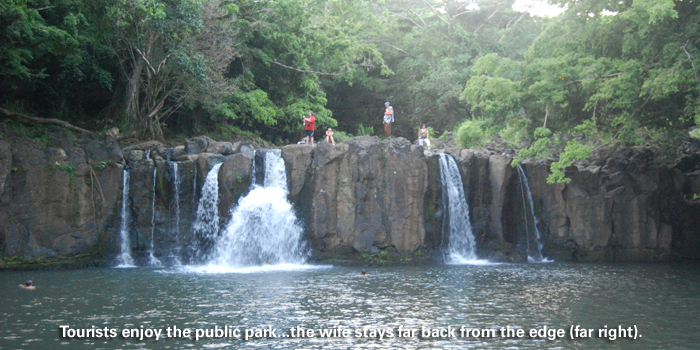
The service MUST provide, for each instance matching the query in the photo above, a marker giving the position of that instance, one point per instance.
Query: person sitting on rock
(329, 136)
(424, 136)
(28, 285)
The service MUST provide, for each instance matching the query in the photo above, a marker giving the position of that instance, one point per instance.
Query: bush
(340, 136)
(364, 131)
(515, 131)
(472, 133)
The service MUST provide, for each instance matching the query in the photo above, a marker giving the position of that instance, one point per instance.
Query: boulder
(197, 145)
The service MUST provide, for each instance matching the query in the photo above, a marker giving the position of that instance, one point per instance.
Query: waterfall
(175, 213)
(263, 229)
(124, 258)
(152, 260)
(532, 255)
(462, 245)
(194, 184)
(206, 225)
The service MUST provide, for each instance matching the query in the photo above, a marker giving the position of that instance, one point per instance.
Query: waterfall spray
(263, 229)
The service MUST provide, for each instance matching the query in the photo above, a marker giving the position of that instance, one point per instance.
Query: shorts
(308, 133)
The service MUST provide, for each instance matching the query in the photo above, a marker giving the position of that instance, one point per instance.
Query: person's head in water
(28, 285)
(363, 272)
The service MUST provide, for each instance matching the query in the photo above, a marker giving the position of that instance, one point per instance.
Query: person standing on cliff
(310, 123)
(388, 119)
(424, 136)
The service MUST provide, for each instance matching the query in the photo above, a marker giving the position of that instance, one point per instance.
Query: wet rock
(5, 164)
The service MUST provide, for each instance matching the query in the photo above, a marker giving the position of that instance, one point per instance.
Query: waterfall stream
(206, 225)
(152, 260)
(175, 214)
(263, 229)
(462, 245)
(124, 258)
(533, 255)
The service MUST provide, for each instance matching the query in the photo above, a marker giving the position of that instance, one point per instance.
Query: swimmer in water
(28, 285)
(363, 273)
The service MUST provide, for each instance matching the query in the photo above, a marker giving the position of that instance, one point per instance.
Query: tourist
(424, 136)
(310, 123)
(388, 119)
(363, 273)
(329, 136)
(28, 285)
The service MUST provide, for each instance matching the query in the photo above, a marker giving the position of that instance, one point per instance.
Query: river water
(662, 301)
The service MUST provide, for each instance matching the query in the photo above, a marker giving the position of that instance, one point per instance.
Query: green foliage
(364, 131)
(252, 107)
(389, 256)
(572, 151)
(380, 258)
(230, 132)
(340, 136)
(239, 177)
(695, 133)
(538, 149)
(515, 131)
(473, 133)
(69, 168)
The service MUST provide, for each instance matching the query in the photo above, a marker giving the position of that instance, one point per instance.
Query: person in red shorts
(310, 123)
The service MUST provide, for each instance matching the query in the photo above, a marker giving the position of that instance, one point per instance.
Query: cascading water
(175, 214)
(152, 260)
(263, 229)
(532, 254)
(124, 258)
(194, 184)
(462, 245)
(206, 225)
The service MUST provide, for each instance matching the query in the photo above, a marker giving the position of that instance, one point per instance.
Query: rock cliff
(60, 197)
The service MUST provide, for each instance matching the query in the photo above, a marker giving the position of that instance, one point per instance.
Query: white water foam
(263, 232)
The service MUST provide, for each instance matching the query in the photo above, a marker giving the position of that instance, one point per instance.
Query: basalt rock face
(618, 206)
(163, 212)
(61, 197)
(57, 197)
(361, 194)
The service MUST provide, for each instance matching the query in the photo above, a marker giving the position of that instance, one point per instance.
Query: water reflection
(660, 300)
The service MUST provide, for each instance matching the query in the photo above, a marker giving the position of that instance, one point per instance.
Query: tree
(616, 71)
(171, 53)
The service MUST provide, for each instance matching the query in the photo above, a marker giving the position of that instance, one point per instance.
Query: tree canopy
(602, 71)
